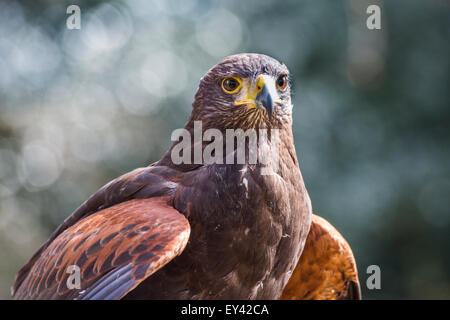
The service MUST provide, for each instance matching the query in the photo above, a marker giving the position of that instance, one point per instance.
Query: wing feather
(115, 249)
(134, 184)
(326, 269)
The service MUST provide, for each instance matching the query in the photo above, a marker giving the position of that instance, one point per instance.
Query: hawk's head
(244, 91)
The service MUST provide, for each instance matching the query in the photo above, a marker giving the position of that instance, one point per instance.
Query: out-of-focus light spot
(219, 33)
(49, 132)
(96, 46)
(89, 105)
(34, 52)
(107, 28)
(86, 144)
(145, 8)
(133, 98)
(178, 7)
(163, 74)
(39, 165)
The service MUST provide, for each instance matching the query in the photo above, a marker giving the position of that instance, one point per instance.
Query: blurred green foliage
(371, 115)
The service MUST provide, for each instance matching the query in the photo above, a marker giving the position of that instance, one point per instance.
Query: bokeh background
(371, 115)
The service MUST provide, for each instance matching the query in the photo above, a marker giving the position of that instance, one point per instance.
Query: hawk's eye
(231, 84)
(282, 82)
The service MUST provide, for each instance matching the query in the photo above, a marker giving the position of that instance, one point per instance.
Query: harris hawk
(196, 230)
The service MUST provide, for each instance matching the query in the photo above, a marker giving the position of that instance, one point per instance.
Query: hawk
(196, 230)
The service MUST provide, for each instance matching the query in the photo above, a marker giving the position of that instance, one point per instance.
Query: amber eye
(282, 82)
(231, 84)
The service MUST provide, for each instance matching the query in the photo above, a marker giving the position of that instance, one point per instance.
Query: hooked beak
(264, 99)
(259, 95)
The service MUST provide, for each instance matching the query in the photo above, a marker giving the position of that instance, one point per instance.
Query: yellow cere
(251, 89)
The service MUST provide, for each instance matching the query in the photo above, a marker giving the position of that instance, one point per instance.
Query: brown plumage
(246, 229)
(134, 238)
(327, 268)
